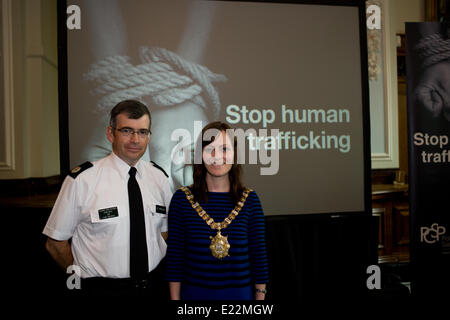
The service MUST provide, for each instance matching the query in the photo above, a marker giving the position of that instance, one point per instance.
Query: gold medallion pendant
(219, 246)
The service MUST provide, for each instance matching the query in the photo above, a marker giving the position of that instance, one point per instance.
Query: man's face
(129, 148)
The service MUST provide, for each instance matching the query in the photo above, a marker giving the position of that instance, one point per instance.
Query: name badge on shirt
(160, 209)
(108, 213)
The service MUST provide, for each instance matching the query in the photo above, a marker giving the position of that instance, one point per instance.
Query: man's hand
(61, 251)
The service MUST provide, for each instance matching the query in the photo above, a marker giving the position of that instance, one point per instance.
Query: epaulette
(156, 166)
(77, 170)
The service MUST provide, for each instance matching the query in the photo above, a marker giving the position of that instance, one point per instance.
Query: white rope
(164, 77)
(433, 49)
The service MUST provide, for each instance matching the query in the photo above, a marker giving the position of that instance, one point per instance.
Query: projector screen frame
(64, 97)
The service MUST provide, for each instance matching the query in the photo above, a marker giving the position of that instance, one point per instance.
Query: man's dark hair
(132, 108)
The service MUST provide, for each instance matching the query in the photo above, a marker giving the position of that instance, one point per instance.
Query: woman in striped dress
(216, 245)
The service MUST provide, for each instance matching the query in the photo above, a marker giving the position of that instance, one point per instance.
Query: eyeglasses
(142, 133)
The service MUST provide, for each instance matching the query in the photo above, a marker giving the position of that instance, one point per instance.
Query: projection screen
(291, 76)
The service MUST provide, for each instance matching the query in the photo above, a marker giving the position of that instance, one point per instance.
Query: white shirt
(100, 244)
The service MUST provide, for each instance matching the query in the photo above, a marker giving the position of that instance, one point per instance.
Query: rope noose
(433, 49)
(163, 76)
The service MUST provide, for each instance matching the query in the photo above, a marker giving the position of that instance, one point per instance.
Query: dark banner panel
(428, 92)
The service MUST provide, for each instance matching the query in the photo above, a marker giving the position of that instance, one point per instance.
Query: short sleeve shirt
(93, 210)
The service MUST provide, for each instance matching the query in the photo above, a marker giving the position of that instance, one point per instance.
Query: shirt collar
(123, 167)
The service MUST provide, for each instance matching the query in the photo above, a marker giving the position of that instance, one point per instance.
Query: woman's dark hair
(200, 188)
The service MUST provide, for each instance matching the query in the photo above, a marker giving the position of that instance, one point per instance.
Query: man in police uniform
(89, 226)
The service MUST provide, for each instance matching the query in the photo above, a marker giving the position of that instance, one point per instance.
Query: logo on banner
(432, 234)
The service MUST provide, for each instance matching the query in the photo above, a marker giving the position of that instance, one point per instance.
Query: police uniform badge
(77, 170)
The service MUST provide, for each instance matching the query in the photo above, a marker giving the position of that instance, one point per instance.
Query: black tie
(138, 242)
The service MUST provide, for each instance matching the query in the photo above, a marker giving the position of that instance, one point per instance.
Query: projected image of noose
(433, 90)
(177, 90)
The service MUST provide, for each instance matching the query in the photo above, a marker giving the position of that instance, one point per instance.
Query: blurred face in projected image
(130, 148)
(218, 156)
(164, 122)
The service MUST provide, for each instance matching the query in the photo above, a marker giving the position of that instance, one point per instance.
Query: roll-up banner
(428, 94)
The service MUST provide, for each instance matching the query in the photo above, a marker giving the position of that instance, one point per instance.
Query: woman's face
(218, 156)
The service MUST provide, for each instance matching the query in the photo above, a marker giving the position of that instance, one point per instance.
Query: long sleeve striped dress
(189, 259)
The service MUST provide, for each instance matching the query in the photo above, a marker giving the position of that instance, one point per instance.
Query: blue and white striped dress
(190, 261)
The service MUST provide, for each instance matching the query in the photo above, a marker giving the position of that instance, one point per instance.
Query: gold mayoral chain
(219, 244)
